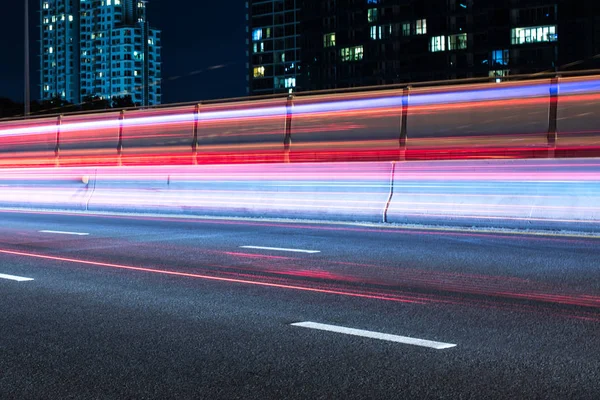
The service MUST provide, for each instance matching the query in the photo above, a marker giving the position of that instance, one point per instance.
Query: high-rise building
(107, 48)
(58, 55)
(273, 46)
(347, 43)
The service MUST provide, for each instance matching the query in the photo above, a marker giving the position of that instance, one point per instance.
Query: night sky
(203, 49)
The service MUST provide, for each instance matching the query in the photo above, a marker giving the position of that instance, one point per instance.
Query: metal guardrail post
(195, 137)
(57, 146)
(287, 139)
(403, 124)
(120, 142)
(552, 136)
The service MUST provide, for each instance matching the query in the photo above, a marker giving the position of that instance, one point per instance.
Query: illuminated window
(457, 42)
(437, 43)
(46, 6)
(259, 72)
(257, 34)
(372, 15)
(117, 2)
(499, 72)
(381, 32)
(290, 83)
(71, 18)
(534, 34)
(406, 29)
(500, 57)
(51, 50)
(358, 53)
(373, 32)
(421, 27)
(351, 53)
(259, 47)
(329, 40)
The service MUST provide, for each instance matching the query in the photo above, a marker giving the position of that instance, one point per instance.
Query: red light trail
(445, 123)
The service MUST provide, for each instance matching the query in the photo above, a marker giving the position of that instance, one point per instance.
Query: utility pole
(27, 94)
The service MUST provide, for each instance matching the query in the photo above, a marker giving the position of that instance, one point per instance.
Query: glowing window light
(329, 40)
(534, 34)
(437, 43)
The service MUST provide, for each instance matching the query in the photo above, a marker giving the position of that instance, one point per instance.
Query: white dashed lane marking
(65, 233)
(375, 335)
(280, 249)
(15, 278)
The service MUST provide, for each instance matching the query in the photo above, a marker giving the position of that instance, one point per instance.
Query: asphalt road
(150, 308)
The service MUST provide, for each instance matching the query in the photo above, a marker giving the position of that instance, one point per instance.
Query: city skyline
(102, 49)
(198, 67)
(206, 51)
(306, 45)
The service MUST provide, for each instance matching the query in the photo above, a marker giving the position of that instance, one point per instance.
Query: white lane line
(15, 278)
(66, 233)
(375, 335)
(280, 249)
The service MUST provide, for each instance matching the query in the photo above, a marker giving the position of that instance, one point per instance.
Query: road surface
(113, 307)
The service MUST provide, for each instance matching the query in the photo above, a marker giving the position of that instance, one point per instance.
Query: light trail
(212, 278)
(446, 123)
(336, 284)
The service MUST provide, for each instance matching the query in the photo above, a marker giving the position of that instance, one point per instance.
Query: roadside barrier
(536, 193)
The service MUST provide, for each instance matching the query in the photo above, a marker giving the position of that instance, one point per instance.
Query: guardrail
(541, 118)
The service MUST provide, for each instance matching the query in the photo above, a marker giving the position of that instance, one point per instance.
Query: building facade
(273, 46)
(348, 43)
(113, 51)
(58, 53)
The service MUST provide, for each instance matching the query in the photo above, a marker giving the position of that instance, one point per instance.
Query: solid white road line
(66, 233)
(375, 335)
(15, 278)
(280, 249)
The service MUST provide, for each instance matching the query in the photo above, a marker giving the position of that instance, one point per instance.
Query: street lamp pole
(27, 94)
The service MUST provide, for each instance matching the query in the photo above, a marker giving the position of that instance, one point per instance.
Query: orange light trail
(477, 121)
